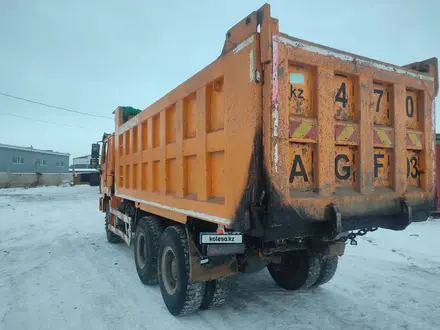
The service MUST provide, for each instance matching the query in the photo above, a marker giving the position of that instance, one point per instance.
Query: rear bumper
(336, 223)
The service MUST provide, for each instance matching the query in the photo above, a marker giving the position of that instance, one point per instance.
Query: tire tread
(329, 266)
(299, 275)
(154, 229)
(216, 293)
(194, 291)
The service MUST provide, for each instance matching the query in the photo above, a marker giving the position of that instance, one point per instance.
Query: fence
(12, 180)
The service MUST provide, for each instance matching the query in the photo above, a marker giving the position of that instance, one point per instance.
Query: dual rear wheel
(146, 245)
(303, 269)
(162, 256)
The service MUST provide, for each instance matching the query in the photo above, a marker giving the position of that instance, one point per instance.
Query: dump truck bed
(281, 137)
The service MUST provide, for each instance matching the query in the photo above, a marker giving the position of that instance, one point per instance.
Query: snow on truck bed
(57, 271)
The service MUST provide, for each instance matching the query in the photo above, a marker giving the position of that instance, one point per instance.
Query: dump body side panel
(346, 131)
(189, 154)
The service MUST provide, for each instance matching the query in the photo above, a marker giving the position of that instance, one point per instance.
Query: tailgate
(349, 133)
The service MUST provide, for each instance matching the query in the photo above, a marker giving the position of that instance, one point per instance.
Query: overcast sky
(92, 56)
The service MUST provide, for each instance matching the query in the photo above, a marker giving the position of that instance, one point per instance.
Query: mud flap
(201, 272)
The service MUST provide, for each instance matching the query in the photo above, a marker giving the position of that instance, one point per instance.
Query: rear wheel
(328, 270)
(298, 270)
(111, 237)
(216, 293)
(180, 294)
(146, 245)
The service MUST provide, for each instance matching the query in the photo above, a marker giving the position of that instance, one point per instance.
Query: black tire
(180, 294)
(146, 245)
(111, 237)
(216, 293)
(297, 270)
(328, 270)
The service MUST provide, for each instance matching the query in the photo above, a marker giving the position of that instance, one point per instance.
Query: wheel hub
(168, 266)
(174, 269)
(141, 250)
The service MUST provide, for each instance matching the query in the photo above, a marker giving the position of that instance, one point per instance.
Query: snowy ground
(57, 271)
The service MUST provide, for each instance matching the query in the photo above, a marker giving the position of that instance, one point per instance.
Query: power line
(41, 121)
(54, 107)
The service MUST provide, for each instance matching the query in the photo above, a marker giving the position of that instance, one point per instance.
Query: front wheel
(180, 294)
(298, 270)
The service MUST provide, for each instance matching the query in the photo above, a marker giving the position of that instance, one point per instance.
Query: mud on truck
(274, 156)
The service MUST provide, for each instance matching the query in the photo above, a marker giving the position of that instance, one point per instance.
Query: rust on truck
(290, 143)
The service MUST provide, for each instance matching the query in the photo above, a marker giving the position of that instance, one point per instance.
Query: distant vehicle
(275, 155)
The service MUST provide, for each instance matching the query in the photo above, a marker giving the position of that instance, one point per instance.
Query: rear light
(220, 230)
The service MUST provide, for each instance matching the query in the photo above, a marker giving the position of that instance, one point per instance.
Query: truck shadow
(262, 290)
(255, 292)
(257, 298)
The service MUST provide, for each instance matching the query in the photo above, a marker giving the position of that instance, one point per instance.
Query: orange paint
(334, 127)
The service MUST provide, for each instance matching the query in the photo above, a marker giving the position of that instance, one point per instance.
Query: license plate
(212, 238)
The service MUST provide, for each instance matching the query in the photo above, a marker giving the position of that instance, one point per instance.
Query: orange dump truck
(275, 155)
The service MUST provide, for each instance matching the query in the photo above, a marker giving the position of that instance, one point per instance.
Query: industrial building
(14, 159)
(28, 167)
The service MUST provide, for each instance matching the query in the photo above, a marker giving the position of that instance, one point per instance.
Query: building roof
(82, 157)
(31, 149)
